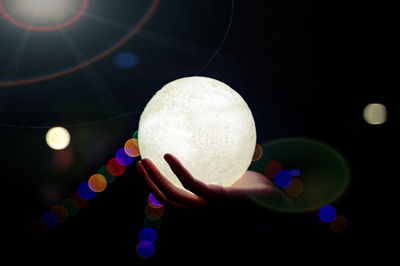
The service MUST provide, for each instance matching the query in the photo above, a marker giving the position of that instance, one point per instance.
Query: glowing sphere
(57, 138)
(205, 124)
(375, 113)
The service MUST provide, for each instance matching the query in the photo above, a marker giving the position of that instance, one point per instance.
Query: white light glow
(375, 114)
(43, 8)
(205, 124)
(57, 138)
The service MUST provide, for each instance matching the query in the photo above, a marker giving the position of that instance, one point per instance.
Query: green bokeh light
(324, 173)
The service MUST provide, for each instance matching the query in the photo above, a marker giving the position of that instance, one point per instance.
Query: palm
(250, 183)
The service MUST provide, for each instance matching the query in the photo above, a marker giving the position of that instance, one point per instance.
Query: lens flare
(324, 173)
(42, 8)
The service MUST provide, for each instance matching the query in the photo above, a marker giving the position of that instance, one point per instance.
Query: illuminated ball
(58, 138)
(205, 124)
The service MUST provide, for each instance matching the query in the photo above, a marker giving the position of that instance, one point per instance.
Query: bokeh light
(132, 148)
(148, 233)
(57, 138)
(85, 192)
(339, 224)
(327, 214)
(60, 212)
(80, 202)
(283, 178)
(272, 168)
(153, 223)
(126, 60)
(258, 152)
(324, 173)
(49, 220)
(115, 168)
(97, 183)
(154, 213)
(295, 172)
(375, 114)
(123, 158)
(135, 134)
(71, 206)
(104, 172)
(295, 189)
(145, 249)
(152, 200)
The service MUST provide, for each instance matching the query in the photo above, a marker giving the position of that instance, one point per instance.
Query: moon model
(205, 124)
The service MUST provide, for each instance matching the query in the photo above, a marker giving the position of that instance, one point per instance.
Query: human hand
(251, 183)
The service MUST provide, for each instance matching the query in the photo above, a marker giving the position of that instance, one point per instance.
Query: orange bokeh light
(97, 183)
(132, 148)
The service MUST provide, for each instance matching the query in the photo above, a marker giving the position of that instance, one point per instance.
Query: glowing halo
(90, 61)
(9, 18)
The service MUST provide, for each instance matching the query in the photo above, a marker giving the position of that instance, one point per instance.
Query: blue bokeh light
(154, 201)
(148, 234)
(50, 220)
(295, 172)
(123, 158)
(85, 192)
(145, 249)
(283, 178)
(126, 60)
(327, 214)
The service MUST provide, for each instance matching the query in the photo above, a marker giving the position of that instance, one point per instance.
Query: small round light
(148, 234)
(258, 153)
(60, 212)
(71, 206)
(145, 249)
(123, 158)
(272, 168)
(97, 183)
(283, 178)
(126, 60)
(58, 138)
(85, 192)
(295, 189)
(327, 213)
(339, 224)
(115, 168)
(295, 172)
(375, 114)
(154, 202)
(132, 148)
(50, 220)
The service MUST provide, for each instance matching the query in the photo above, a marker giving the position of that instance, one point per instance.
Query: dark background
(305, 69)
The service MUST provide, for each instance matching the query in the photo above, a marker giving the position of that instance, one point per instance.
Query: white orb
(375, 113)
(57, 138)
(205, 124)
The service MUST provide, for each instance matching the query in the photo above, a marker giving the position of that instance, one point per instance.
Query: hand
(252, 183)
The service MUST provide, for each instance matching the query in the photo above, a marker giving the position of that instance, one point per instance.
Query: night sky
(305, 69)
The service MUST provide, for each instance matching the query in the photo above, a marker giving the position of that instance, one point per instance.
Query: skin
(250, 183)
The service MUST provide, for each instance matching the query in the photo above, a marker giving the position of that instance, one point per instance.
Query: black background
(306, 68)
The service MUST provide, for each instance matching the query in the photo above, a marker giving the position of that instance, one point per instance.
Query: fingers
(192, 184)
(156, 191)
(168, 189)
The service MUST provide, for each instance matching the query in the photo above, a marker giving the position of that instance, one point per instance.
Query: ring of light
(81, 12)
(90, 61)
